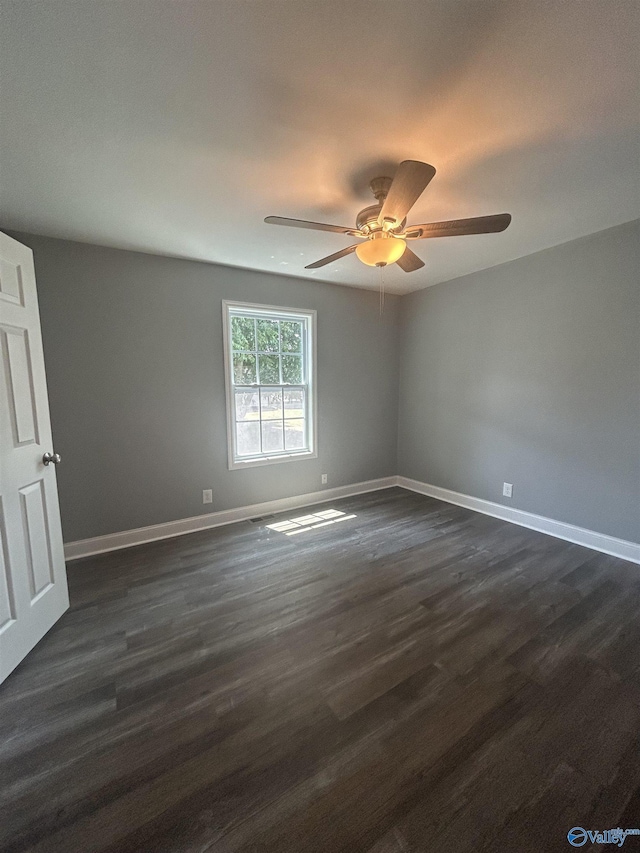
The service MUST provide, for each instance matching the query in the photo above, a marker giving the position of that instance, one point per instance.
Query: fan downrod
(380, 188)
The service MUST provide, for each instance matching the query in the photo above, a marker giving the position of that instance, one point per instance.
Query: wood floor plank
(418, 677)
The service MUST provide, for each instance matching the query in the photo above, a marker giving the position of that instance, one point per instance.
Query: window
(269, 372)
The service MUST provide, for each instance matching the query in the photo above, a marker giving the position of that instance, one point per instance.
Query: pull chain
(381, 279)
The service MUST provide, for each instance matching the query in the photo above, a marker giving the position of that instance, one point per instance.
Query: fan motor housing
(369, 216)
(367, 220)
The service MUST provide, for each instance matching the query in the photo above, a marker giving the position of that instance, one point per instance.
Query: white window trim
(311, 316)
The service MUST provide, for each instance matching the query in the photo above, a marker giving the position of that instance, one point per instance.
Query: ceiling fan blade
(460, 227)
(331, 258)
(409, 261)
(316, 226)
(409, 183)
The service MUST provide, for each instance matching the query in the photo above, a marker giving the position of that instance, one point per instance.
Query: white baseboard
(580, 535)
(127, 538)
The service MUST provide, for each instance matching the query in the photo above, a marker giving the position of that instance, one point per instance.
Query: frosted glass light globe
(381, 249)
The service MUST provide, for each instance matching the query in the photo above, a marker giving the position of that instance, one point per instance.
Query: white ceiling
(176, 127)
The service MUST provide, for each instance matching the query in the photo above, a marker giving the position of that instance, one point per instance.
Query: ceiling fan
(382, 226)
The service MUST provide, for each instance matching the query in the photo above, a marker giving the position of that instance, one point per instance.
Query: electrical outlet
(207, 496)
(507, 490)
(323, 479)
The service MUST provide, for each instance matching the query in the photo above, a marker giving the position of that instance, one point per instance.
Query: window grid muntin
(304, 419)
(303, 353)
(279, 353)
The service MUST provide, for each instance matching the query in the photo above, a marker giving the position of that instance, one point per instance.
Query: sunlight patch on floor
(302, 523)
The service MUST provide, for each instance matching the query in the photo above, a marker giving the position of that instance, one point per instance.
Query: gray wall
(529, 373)
(133, 349)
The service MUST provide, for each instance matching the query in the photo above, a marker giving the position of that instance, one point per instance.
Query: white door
(33, 581)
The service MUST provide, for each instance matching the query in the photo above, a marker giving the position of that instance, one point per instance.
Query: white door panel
(33, 584)
(20, 393)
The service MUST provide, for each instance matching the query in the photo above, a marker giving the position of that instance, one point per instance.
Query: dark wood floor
(416, 678)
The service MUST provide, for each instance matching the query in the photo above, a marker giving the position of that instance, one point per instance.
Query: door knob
(51, 457)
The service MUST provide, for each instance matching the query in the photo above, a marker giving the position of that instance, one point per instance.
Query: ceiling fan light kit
(382, 226)
(381, 249)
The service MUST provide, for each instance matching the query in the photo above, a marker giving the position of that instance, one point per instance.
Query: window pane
(291, 336)
(292, 369)
(294, 403)
(267, 381)
(243, 333)
(248, 439)
(271, 404)
(269, 366)
(244, 369)
(268, 335)
(272, 436)
(294, 438)
(247, 406)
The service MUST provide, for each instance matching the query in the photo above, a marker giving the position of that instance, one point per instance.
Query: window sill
(235, 465)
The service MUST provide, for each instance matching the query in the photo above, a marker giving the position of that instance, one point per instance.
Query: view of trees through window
(269, 385)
